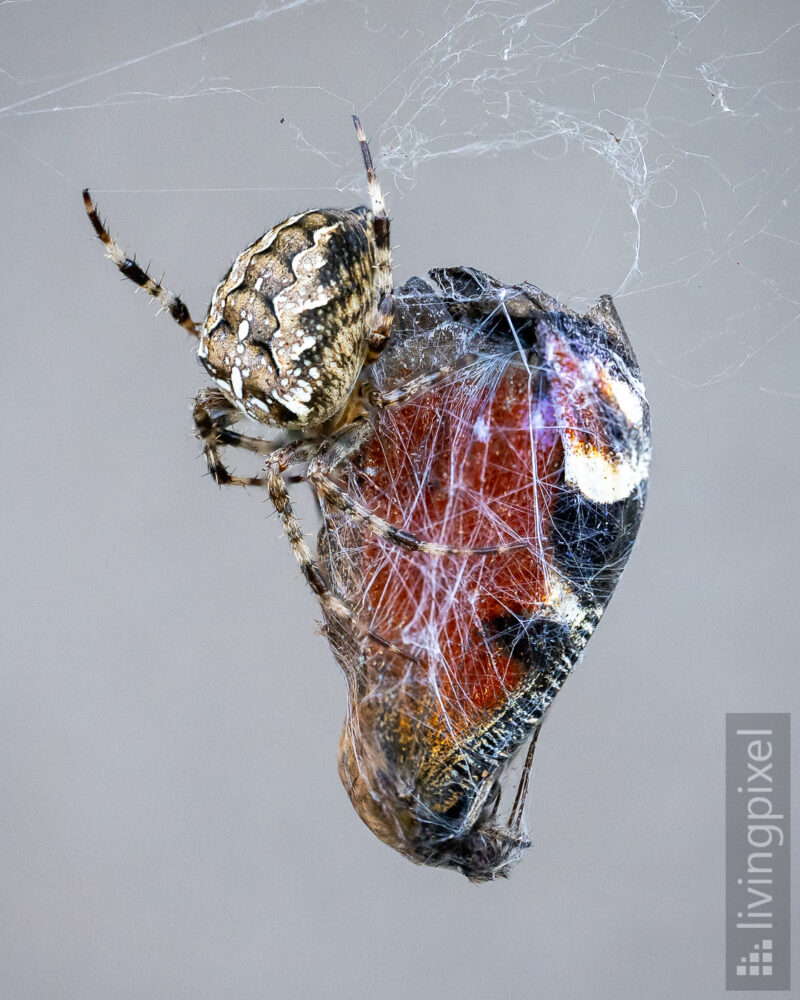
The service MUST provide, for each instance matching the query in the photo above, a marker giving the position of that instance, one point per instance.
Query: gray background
(172, 823)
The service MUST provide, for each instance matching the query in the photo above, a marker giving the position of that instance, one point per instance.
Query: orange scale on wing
(462, 467)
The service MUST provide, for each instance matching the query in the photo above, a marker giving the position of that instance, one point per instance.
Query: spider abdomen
(285, 333)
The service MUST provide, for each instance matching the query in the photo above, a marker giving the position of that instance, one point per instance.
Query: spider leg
(413, 387)
(277, 463)
(375, 193)
(381, 329)
(333, 453)
(130, 269)
(382, 324)
(213, 415)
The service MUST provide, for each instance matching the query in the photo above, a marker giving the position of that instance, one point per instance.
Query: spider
(291, 328)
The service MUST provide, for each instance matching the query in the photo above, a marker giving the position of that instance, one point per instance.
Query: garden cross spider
(290, 328)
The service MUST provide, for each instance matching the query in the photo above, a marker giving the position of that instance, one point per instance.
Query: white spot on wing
(602, 480)
(236, 382)
(628, 401)
(565, 606)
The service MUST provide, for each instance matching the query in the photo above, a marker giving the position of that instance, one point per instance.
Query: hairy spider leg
(213, 416)
(277, 463)
(382, 325)
(138, 275)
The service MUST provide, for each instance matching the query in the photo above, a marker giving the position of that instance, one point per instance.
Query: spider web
(659, 142)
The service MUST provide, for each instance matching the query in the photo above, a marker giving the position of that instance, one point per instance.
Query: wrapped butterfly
(480, 456)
